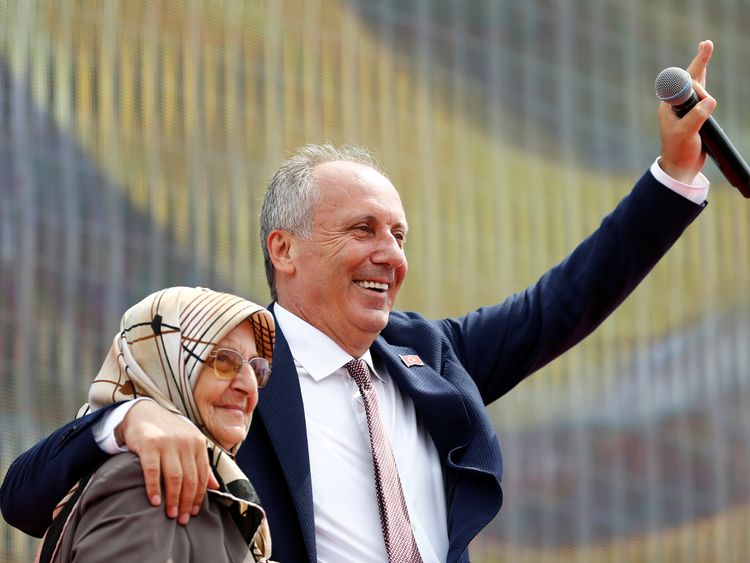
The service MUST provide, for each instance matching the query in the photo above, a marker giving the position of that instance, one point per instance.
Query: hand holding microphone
(675, 87)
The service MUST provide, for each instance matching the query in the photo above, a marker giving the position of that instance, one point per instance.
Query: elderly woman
(204, 355)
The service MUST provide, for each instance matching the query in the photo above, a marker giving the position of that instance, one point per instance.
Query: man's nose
(389, 251)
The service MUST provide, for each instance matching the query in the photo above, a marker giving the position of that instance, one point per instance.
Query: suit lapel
(436, 399)
(283, 415)
(467, 449)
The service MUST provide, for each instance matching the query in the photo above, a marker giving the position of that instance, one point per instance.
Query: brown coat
(113, 521)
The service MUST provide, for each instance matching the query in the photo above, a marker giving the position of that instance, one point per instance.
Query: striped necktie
(394, 516)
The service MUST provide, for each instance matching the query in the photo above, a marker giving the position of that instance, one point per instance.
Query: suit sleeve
(40, 477)
(502, 344)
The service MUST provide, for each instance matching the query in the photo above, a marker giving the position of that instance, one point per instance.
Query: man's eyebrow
(372, 219)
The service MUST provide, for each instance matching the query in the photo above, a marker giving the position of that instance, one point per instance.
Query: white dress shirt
(347, 525)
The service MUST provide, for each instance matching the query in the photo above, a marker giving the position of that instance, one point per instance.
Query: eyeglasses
(227, 364)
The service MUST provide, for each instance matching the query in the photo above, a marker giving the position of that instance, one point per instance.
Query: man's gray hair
(292, 195)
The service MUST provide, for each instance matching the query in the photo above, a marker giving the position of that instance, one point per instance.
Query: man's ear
(280, 250)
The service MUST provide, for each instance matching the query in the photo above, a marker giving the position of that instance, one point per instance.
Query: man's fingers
(190, 481)
(698, 115)
(172, 452)
(700, 90)
(692, 121)
(682, 155)
(213, 482)
(152, 476)
(697, 67)
(172, 472)
(204, 470)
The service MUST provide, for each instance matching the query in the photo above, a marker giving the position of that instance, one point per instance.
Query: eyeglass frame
(229, 375)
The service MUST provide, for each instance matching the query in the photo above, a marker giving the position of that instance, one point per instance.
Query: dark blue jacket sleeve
(40, 477)
(502, 344)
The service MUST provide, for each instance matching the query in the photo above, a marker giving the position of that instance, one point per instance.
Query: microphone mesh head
(674, 86)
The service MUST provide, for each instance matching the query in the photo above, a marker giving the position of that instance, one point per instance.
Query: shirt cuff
(104, 430)
(697, 192)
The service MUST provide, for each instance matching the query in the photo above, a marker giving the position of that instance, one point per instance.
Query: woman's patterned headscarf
(159, 352)
(164, 342)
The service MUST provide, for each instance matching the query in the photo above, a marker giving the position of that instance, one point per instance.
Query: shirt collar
(315, 351)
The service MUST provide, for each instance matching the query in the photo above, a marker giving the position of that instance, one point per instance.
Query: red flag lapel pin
(411, 360)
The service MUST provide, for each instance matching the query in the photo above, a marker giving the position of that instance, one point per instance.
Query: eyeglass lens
(228, 363)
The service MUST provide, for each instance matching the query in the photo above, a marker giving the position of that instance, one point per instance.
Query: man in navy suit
(334, 229)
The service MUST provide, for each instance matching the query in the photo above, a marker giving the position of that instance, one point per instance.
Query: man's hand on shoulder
(170, 449)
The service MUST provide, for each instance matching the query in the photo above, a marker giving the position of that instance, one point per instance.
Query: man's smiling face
(348, 274)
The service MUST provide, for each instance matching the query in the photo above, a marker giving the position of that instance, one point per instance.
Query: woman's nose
(245, 381)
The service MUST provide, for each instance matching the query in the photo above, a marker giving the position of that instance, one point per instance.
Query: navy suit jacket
(469, 362)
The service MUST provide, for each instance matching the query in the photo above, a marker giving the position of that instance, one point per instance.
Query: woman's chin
(230, 436)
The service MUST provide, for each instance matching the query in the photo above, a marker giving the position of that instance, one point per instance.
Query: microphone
(675, 86)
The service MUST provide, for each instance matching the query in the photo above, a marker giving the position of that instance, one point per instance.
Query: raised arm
(538, 324)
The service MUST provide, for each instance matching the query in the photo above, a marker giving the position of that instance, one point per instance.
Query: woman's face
(226, 405)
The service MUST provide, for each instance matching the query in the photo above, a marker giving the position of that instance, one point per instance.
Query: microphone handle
(721, 150)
